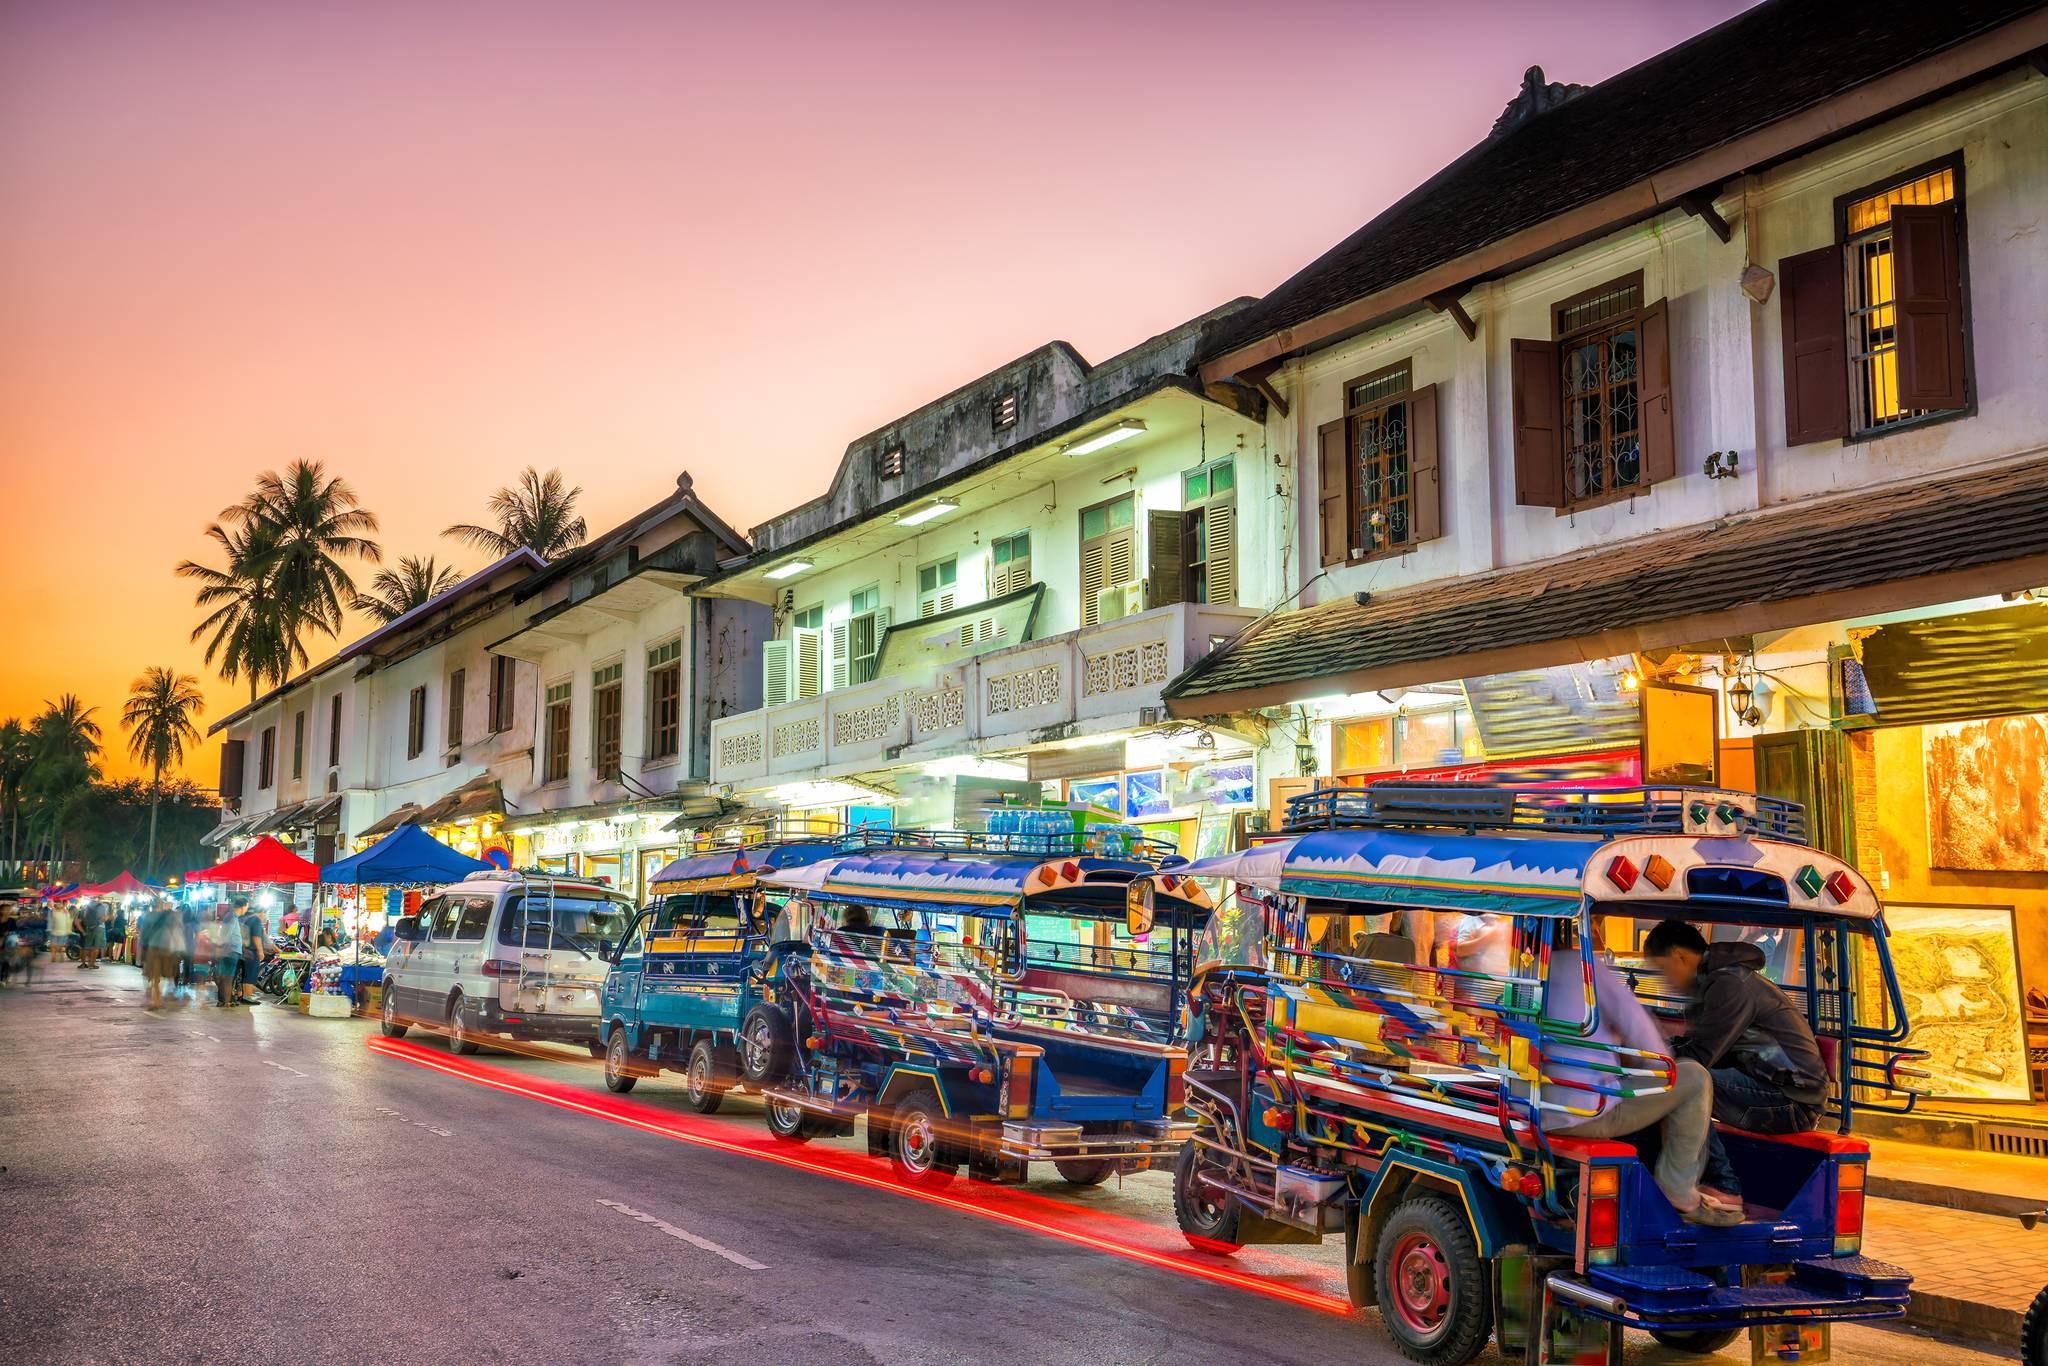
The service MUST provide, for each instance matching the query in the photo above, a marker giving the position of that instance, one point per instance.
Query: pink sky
(431, 243)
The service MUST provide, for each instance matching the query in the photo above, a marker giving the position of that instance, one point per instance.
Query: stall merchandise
(408, 857)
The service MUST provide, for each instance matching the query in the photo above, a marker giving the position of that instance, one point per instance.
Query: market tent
(406, 855)
(264, 861)
(123, 883)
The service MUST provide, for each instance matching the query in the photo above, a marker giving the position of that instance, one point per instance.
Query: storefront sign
(1080, 761)
(1681, 734)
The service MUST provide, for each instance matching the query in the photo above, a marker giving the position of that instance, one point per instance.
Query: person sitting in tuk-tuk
(1769, 1077)
(854, 919)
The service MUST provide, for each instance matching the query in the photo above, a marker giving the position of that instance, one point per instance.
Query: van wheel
(1084, 1171)
(1701, 1343)
(393, 1026)
(459, 1040)
(766, 1045)
(917, 1144)
(1208, 1220)
(705, 1081)
(1433, 1292)
(787, 1120)
(618, 1062)
(2034, 1331)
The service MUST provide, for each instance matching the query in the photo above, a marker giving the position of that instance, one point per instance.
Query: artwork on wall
(1681, 734)
(1145, 795)
(1106, 793)
(1958, 969)
(1987, 794)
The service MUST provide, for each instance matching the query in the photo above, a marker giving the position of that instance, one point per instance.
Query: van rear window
(587, 922)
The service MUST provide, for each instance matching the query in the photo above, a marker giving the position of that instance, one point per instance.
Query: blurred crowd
(186, 952)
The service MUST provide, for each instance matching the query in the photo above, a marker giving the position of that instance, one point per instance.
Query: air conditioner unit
(1116, 602)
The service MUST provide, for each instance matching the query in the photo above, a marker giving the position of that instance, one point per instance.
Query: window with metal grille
(1004, 410)
(1598, 342)
(416, 722)
(1376, 432)
(1873, 298)
(1209, 539)
(665, 700)
(502, 677)
(456, 683)
(606, 707)
(555, 754)
(298, 746)
(890, 464)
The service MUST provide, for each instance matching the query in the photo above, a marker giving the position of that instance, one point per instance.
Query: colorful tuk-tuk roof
(717, 869)
(920, 878)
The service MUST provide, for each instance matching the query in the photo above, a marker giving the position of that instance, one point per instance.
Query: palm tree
(538, 513)
(66, 743)
(161, 705)
(394, 592)
(312, 522)
(16, 754)
(252, 634)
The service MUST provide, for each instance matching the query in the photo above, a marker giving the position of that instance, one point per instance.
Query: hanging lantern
(1741, 696)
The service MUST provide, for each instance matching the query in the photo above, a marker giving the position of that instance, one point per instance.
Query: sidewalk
(1950, 1218)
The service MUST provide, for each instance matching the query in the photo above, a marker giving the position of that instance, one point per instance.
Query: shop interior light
(788, 571)
(1104, 439)
(931, 511)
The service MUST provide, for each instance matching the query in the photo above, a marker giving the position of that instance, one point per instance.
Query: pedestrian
(117, 932)
(10, 940)
(92, 934)
(256, 948)
(188, 976)
(224, 952)
(162, 938)
(57, 929)
(21, 954)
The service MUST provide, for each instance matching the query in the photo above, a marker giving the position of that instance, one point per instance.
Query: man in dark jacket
(1768, 1074)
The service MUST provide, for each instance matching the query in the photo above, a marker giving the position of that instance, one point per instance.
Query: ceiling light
(938, 507)
(1104, 439)
(788, 571)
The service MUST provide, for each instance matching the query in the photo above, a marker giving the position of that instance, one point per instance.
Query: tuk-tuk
(1354, 1069)
(995, 1000)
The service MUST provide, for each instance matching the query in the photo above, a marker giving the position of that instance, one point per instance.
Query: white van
(516, 954)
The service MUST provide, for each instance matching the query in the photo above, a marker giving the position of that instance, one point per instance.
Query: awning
(226, 830)
(264, 861)
(704, 813)
(1871, 551)
(477, 797)
(407, 855)
(384, 825)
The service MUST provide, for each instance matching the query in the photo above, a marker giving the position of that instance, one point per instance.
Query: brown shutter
(1425, 491)
(233, 758)
(1165, 558)
(1220, 528)
(1653, 394)
(1334, 491)
(1813, 315)
(1539, 425)
(1929, 283)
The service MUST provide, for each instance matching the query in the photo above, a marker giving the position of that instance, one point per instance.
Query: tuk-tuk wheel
(2034, 1331)
(618, 1062)
(917, 1144)
(766, 1043)
(704, 1082)
(787, 1120)
(1699, 1342)
(1208, 1220)
(1433, 1291)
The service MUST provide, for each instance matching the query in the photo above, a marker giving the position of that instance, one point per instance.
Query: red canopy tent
(123, 883)
(264, 861)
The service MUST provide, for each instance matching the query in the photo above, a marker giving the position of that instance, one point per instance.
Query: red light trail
(1001, 1204)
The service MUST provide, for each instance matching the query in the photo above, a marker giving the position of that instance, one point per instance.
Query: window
(298, 746)
(334, 732)
(474, 917)
(1378, 472)
(266, 758)
(416, 722)
(1009, 564)
(456, 681)
(809, 618)
(857, 642)
(502, 678)
(1004, 411)
(1405, 741)
(865, 599)
(1894, 291)
(575, 918)
(665, 700)
(938, 586)
(446, 910)
(1592, 405)
(1209, 533)
(555, 756)
(1108, 559)
(890, 464)
(606, 695)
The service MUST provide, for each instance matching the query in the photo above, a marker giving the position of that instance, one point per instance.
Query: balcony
(1095, 680)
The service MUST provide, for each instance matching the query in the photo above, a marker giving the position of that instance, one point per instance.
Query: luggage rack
(1094, 842)
(1472, 807)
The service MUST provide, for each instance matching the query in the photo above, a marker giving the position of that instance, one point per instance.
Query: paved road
(243, 1185)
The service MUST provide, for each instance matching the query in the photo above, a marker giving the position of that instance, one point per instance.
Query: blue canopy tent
(406, 855)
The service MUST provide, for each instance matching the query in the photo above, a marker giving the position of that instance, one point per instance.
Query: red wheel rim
(1421, 1284)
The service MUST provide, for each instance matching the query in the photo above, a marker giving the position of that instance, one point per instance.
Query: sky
(432, 243)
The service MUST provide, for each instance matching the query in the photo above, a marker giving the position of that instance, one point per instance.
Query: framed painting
(1958, 969)
(1987, 794)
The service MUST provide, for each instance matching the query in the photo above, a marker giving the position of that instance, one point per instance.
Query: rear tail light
(1018, 1086)
(1602, 1215)
(1622, 873)
(1848, 1208)
(1176, 1084)
(498, 967)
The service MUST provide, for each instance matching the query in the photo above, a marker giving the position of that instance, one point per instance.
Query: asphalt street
(240, 1185)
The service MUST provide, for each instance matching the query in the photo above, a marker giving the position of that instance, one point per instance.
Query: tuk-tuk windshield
(699, 913)
(1095, 944)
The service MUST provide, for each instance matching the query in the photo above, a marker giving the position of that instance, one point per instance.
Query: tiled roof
(1769, 570)
(1762, 66)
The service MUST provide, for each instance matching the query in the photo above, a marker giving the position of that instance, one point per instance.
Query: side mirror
(407, 927)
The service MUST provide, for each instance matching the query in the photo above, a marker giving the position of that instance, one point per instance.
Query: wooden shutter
(1929, 290)
(810, 649)
(841, 653)
(1166, 557)
(1222, 552)
(1092, 580)
(1813, 316)
(234, 757)
(1333, 491)
(776, 673)
(1539, 424)
(1653, 394)
(1120, 556)
(1425, 480)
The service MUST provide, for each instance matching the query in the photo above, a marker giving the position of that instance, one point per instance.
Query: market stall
(405, 862)
(263, 868)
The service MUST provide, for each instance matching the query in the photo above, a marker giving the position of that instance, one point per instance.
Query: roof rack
(1099, 841)
(1472, 807)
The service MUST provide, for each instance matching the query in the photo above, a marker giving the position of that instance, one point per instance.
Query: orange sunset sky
(431, 243)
